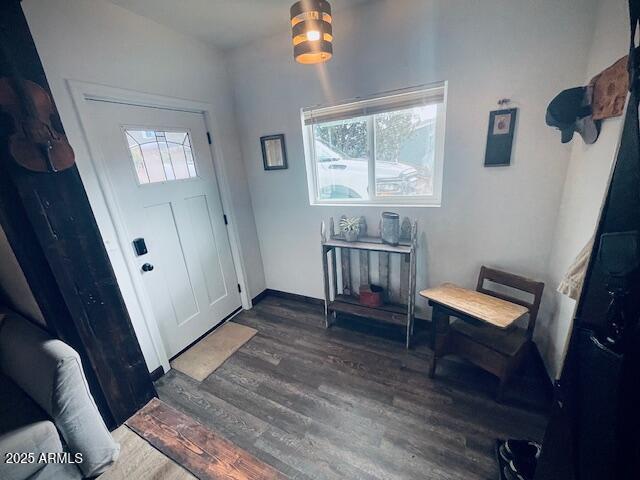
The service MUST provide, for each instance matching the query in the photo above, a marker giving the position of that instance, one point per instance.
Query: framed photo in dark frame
(274, 153)
(502, 124)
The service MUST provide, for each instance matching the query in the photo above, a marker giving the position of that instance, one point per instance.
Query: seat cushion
(505, 341)
(24, 427)
(50, 372)
(58, 471)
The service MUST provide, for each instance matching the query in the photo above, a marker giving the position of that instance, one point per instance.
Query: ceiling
(224, 24)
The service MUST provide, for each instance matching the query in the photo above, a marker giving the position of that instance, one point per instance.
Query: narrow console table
(399, 304)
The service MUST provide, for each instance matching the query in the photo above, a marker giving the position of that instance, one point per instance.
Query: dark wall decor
(571, 111)
(274, 152)
(502, 124)
(51, 228)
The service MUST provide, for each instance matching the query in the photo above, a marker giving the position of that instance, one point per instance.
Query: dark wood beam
(50, 225)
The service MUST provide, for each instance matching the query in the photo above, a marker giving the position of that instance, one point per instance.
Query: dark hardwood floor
(351, 403)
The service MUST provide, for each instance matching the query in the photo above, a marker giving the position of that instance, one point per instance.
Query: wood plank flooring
(140, 461)
(197, 448)
(351, 403)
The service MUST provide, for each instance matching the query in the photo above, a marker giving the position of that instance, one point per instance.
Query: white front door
(160, 168)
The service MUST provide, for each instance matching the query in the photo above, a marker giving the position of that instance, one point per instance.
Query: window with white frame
(383, 150)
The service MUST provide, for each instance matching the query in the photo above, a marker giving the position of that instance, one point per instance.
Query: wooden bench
(486, 334)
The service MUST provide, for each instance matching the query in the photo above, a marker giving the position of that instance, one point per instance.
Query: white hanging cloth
(572, 282)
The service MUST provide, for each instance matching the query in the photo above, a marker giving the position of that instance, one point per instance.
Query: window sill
(384, 205)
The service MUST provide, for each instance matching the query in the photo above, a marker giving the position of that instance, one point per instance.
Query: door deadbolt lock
(147, 267)
(140, 246)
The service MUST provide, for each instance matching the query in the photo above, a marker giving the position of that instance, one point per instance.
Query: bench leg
(432, 367)
(439, 337)
(434, 341)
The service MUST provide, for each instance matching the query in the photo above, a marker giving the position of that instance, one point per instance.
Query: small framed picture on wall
(502, 124)
(274, 153)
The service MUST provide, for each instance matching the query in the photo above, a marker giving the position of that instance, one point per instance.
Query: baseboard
(157, 374)
(258, 298)
(311, 300)
(293, 296)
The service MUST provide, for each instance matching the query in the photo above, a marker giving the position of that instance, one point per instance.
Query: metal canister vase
(390, 232)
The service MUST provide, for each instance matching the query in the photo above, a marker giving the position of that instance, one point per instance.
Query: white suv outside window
(384, 150)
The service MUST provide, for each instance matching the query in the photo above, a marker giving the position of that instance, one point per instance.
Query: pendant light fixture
(311, 31)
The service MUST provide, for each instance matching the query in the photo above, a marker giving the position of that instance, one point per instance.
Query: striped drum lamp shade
(311, 31)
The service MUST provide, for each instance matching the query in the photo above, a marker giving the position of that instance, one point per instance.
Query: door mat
(195, 447)
(204, 357)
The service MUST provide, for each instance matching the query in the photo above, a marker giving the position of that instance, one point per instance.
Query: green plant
(351, 224)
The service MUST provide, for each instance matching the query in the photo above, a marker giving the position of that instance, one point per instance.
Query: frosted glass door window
(160, 156)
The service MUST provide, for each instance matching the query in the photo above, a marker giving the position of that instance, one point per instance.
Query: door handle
(147, 267)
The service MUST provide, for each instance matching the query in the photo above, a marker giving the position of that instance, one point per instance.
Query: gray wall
(530, 218)
(586, 183)
(486, 50)
(96, 41)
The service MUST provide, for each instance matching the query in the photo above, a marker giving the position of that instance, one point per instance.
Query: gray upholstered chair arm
(50, 372)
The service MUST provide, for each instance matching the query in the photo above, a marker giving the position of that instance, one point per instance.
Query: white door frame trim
(81, 92)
